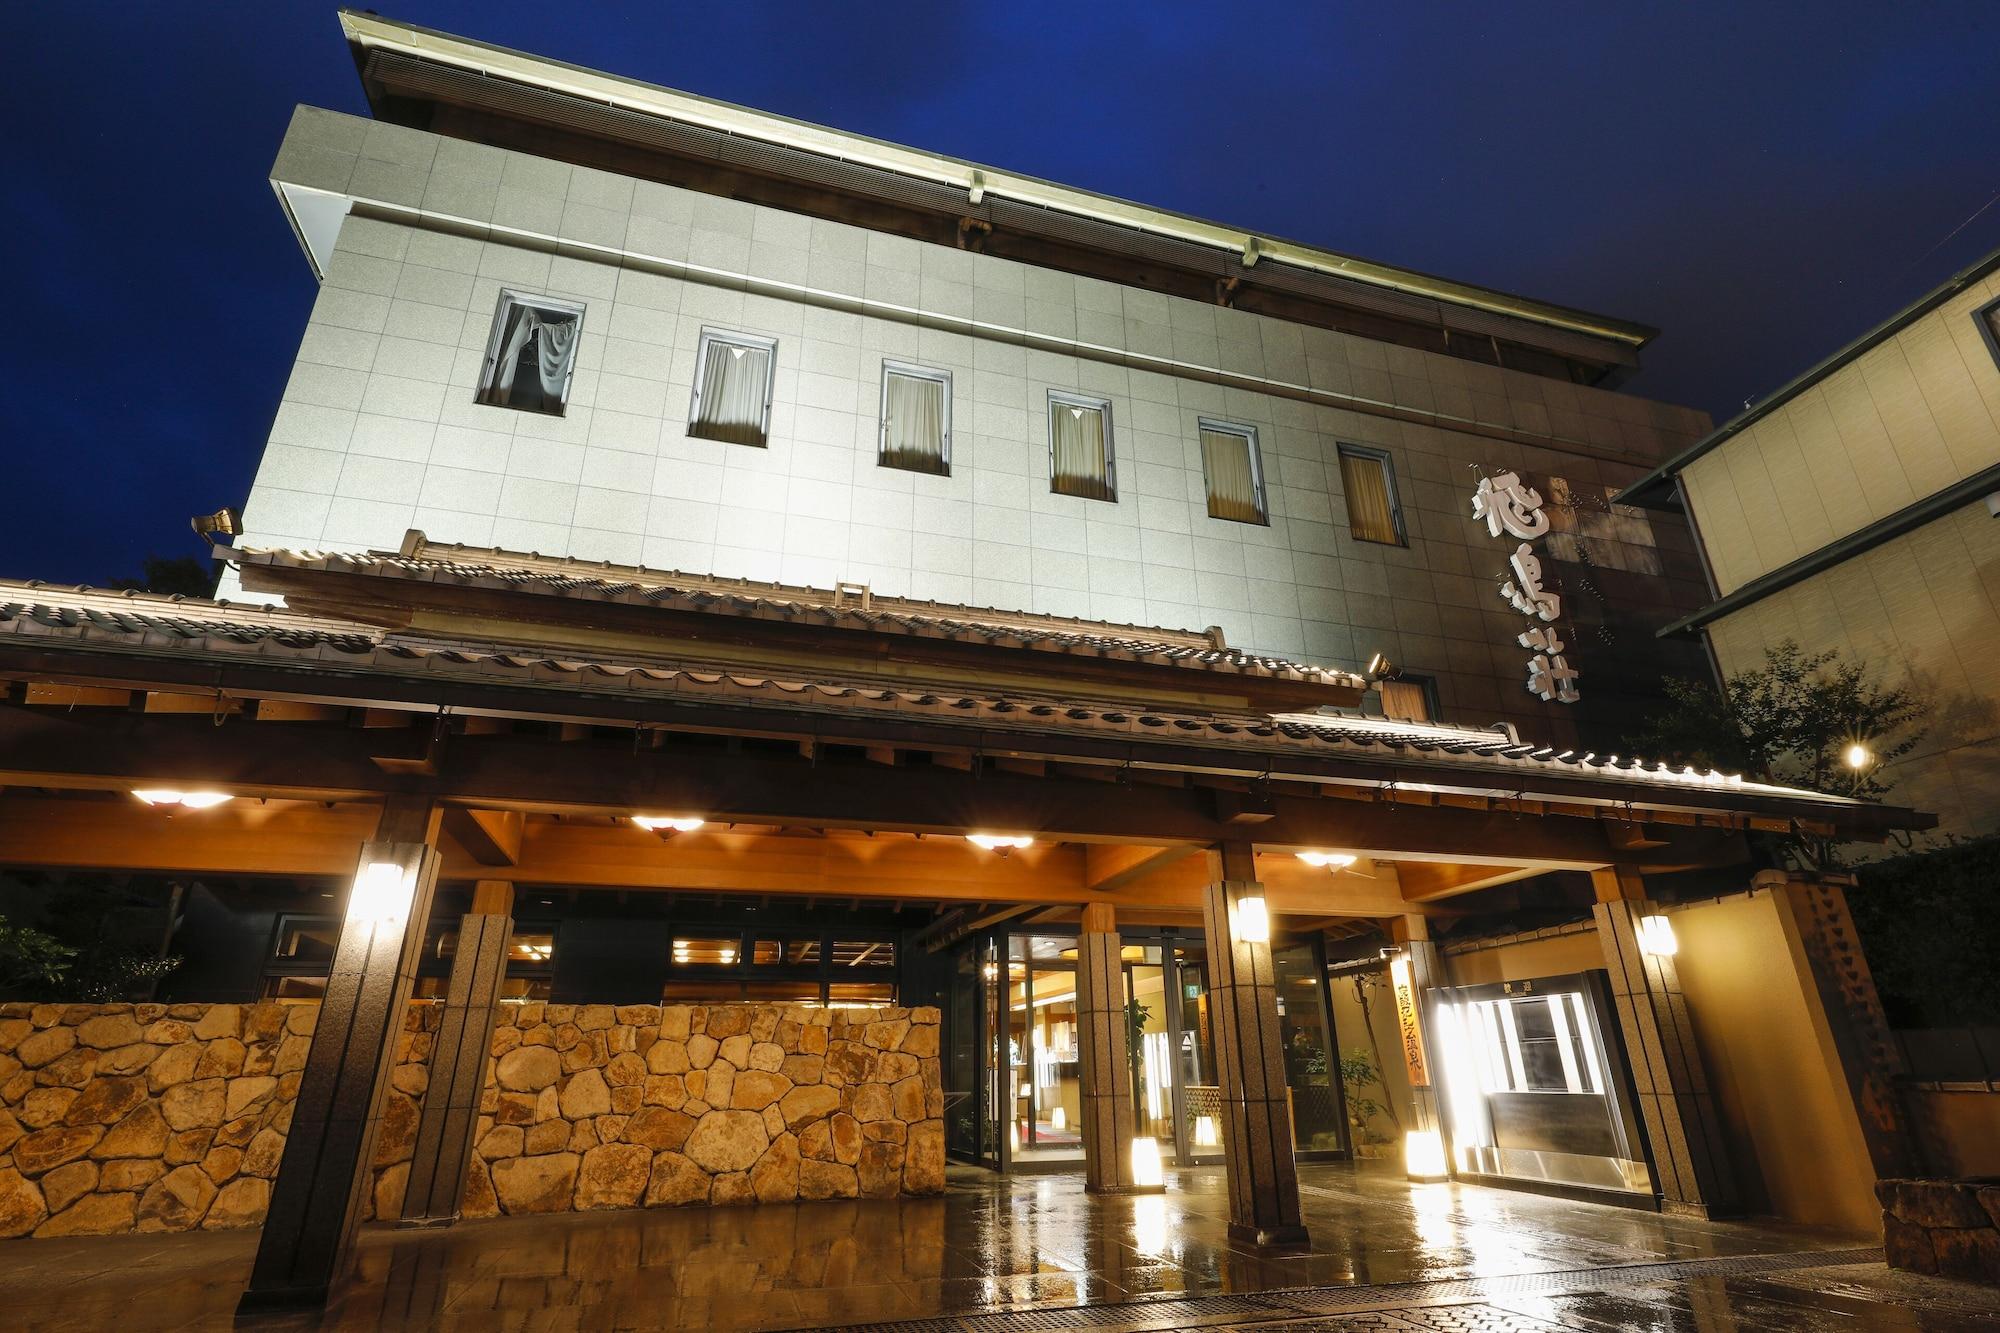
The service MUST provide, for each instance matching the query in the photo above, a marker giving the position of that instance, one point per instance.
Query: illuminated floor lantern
(1147, 1173)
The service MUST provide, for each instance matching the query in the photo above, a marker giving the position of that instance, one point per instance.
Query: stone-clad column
(1101, 1042)
(1869, 1060)
(324, 1173)
(1689, 1159)
(1242, 988)
(459, 1057)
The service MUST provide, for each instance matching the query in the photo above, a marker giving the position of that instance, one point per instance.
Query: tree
(168, 575)
(1801, 719)
(33, 963)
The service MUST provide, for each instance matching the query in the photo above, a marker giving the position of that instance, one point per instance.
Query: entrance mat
(1164, 1313)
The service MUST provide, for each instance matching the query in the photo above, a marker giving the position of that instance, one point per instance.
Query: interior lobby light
(1656, 937)
(1423, 1155)
(1205, 1135)
(999, 842)
(187, 800)
(677, 823)
(1147, 1173)
(381, 894)
(1253, 921)
(1328, 860)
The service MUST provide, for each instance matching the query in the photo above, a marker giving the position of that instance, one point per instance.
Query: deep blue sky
(1763, 181)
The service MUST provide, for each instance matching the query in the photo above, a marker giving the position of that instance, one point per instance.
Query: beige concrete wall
(1914, 414)
(1923, 610)
(1962, 1126)
(1524, 960)
(1792, 1132)
(1352, 1032)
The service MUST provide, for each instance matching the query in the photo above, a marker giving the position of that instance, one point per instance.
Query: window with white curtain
(916, 419)
(530, 354)
(1080, 461)
(1372, 512)
(732, 388)
(1234, 472)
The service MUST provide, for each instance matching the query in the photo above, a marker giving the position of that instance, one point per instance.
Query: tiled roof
(222, 632)
(811, 607)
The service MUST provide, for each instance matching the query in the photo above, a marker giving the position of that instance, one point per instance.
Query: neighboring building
(1854, 510)
(926, 447)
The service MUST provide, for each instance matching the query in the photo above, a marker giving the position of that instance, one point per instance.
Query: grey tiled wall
(378, 431)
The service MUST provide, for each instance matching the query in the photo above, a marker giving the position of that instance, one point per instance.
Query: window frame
(1072, 398)
(1381, 456)
(882, 416)
(489, 367)
(1427, 685)
(1248, 432)
(1987, 317)
(733, 338)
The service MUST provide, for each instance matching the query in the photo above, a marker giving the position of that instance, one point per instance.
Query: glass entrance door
(1047, 1086)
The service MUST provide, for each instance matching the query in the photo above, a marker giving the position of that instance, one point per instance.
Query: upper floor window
(1080, 461)
(916, 419)
(530, 354)
(1409, 698)
(1988, 316)
(732, 388)
(1234, 472)
(1372, 512)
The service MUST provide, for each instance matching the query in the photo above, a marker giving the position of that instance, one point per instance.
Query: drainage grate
(1304, 1302)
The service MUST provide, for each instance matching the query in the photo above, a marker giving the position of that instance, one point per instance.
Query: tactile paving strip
(1389, 1306)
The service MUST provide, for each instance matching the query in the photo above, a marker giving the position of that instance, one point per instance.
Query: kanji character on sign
(1550, 677)
(1526, 591)
(1504, 502)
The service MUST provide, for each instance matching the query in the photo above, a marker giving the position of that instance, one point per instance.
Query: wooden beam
(1424, 882)
(1109, 867)
(490, 837)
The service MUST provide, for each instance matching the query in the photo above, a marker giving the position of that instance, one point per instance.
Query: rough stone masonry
(156, 1118)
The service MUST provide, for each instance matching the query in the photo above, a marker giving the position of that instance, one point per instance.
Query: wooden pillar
(324, 1173)
(1242, 988)
(1106, 1069)
(1426, 972)
(1870, 1062)
(1690, 1163)
(459, 1057)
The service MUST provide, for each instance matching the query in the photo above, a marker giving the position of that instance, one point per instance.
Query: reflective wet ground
(1432, 1257)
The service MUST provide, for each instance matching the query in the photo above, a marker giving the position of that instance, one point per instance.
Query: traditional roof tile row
(670, 592)
(223, 632)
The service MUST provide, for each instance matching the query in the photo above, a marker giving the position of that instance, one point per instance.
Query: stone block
(21, 1206)
(676, 1181)
(142, 1133)
(539, 1184)
(1971, 1254)
(108, 1031)
(724, 1141)
(614, 1176)
(46, 1149)
(93, 1215)
(66, 1184)
(177, 1201)
(827, 1180)
(105, 1100)
(528, 1069)
(196, 1105)
(241, 1203)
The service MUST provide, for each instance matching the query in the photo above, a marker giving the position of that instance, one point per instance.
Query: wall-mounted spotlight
(1381, 668)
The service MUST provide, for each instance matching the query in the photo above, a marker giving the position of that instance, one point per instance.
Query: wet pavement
(1004, 1255)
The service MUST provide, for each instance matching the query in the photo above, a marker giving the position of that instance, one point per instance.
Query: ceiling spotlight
(1328, 860)
(187, 800)
(669, 823)
(999, 842)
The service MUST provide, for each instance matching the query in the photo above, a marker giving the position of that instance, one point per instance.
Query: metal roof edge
(365, 30)
(1645, 491)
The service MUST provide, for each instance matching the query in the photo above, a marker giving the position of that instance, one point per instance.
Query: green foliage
(1791, 721)
(1358, 1073)
(1930, 932)
(33, 963)
(172, 574)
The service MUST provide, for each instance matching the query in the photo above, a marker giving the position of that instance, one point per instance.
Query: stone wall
(157, 1118)
(591, 1106)
(1947, 1227)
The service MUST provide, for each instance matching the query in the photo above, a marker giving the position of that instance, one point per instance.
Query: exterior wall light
(671, 823)
(1858, 755)
(1253, 921)
(1423, 1155)
(1147, 1173)
(382, 893)
(1656, 937)
(999, 842)
(1328, 860)
(186, 800)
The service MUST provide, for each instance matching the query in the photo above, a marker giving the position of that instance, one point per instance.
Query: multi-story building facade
(703, 561)
(1852, 510)
(1357, 404)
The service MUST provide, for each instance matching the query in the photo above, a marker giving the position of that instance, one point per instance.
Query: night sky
(1762, 181)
